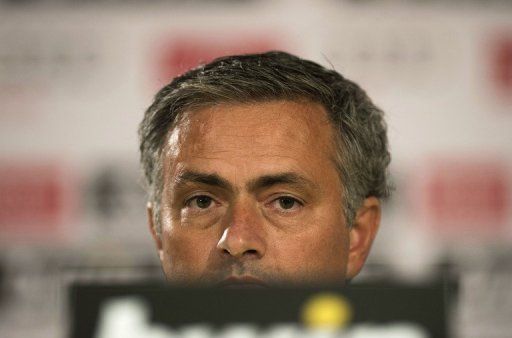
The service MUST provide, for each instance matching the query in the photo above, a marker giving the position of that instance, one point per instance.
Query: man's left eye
(286, 203)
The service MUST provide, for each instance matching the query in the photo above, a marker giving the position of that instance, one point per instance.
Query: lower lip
(243, 286)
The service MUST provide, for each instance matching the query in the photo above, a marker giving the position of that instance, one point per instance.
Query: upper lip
(241, 281)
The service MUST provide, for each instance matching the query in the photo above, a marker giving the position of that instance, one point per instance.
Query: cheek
(320, 252)
(185, 254)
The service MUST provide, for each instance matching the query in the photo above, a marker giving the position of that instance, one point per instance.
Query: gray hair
(362, 155)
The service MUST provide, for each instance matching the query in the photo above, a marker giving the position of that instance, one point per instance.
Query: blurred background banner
(76, 77)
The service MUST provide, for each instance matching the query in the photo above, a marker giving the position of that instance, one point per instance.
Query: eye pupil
(203, 202)
(286, 202)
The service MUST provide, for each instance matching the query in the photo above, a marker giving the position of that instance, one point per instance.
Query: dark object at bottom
(384, 306)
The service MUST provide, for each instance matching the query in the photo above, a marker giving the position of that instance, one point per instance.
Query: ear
(152, 229)
(361, 235)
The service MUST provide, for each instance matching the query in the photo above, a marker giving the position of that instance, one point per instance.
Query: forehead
(275, 133)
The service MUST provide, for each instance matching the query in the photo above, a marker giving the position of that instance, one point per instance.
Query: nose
(243, 235)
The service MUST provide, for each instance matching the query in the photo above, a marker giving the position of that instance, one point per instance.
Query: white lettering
(129, 318)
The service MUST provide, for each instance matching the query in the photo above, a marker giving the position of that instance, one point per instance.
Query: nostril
(250, 252)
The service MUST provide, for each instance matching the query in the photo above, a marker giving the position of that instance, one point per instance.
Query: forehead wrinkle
(207, 118)
(200, 126)
(219, 141)
(305, 110)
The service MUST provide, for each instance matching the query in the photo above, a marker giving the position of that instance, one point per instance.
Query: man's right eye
(199, 202)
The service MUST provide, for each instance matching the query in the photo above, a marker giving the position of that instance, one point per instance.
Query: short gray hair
(362, 155)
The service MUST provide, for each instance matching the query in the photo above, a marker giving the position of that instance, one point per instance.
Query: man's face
(251, 195)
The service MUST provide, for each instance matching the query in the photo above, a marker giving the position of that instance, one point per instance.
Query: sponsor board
(156, 310)
(469, 196)
(36, 201)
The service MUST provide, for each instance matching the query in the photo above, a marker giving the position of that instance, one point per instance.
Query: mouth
(243, 282)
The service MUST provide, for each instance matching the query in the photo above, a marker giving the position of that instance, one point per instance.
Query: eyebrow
(289, 178)
(202, 178)
(262, 182)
